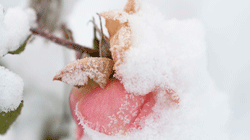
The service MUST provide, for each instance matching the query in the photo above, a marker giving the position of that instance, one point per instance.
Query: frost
(11, 90)
(14, 28)
(78, 72)
(77, 77)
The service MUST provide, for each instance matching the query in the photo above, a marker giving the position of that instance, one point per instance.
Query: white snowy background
(227, 25)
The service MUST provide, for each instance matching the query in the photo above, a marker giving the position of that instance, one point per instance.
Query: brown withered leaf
(132, 6)
(120, 34)
(119, 30)
(78, 72)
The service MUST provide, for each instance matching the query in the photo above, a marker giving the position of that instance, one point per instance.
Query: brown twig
(65, 42)
(67, 32)
(68, 35)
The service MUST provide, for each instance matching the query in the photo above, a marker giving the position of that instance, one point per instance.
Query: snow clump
(11, 90)
(162, 53)
(14, 28)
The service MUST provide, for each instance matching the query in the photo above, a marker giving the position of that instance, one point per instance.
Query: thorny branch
(66, 43)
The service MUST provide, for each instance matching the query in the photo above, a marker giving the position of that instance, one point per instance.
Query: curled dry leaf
(120, 31)
(78, 72)
(132, 6)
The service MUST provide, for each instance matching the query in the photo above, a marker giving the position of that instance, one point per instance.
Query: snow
(212, 99)
(3, 34)
(44, 100)
(11, 87)
(171, 54)
(162, 52)
(14, 28)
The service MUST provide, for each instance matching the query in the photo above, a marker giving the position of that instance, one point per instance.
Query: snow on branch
(11, 90)
(14, 28)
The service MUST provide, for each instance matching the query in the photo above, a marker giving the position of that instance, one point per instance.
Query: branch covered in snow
(11, 90)
(14, 28)
(14, 34)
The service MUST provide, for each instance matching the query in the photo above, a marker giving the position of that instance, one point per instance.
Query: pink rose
(110, 110)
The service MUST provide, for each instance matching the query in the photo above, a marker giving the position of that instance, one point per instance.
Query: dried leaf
(115, 19)
(119, 30)
(132, 6)
(78, 72)
(120, 34)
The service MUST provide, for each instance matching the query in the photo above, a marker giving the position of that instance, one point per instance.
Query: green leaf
(6, 119)
(22, 47)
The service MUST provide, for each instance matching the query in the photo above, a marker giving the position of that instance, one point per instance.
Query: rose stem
(65, 42)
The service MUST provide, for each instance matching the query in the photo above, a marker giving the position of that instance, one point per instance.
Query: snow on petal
(11, 90)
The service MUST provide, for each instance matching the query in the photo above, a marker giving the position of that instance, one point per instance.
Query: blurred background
(46, 111)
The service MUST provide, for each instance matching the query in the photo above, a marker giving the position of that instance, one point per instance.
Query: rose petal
(111, 110)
